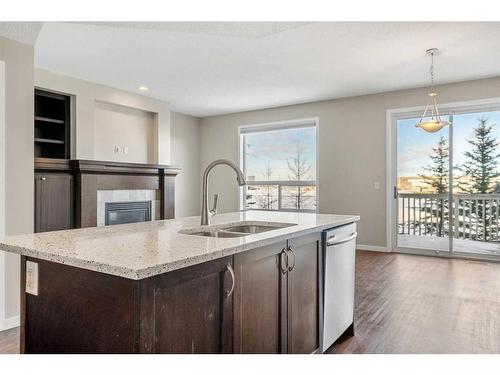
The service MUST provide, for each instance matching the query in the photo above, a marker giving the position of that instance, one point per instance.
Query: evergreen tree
(480, 168)
(438, 170)
(479, 171)
(437, 178)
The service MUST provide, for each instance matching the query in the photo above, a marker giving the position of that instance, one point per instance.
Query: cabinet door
(260, 301)
(304, 257)
(53, 201)
(193, 309)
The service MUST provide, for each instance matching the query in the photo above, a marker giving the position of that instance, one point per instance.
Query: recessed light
(144, 88)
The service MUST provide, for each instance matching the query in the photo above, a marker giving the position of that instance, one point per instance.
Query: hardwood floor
(417, 304)
(9, 341)
(412, 304)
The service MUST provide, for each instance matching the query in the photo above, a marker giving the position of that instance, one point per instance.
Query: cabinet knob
(43, 178)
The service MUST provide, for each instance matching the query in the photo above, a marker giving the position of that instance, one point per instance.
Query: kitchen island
(171, 286)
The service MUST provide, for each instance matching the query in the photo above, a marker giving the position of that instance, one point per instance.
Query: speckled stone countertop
(141, 250)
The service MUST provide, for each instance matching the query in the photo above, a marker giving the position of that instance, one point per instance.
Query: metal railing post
(456, 217)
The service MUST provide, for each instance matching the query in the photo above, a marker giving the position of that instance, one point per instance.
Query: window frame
(277, 125)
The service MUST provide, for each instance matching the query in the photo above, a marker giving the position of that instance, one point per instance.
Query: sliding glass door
(447, 187)
(422, 187)
(476, 183)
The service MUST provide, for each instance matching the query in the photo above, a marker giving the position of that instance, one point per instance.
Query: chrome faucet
(206, 213)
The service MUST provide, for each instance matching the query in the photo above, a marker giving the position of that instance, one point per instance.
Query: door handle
(396, 192)
(331, 241)
(292, 266)
(231, 272)
(284, 261)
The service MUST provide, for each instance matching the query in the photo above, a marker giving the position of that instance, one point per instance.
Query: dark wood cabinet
(270, 303)
(303, 294)
(80, 311)
(259, 301)
(277, 300)
(193, 309)
(53, 201)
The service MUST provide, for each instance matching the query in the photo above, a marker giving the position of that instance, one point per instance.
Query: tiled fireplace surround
(108, 196)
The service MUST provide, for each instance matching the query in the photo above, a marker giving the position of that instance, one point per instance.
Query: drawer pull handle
(231, 272)
(284, 261)
(331, 241)
(292, 266)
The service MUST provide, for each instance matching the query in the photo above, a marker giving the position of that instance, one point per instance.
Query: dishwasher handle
(331, 240)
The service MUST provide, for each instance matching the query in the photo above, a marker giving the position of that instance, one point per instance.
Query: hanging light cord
(432, 71)
(433, 103)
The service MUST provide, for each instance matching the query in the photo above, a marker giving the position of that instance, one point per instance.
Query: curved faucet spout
(206, 213)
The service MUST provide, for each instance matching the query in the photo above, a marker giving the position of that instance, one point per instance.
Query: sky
(415, 145)
(275, 148)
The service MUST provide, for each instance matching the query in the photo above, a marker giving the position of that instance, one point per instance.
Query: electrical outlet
(116, 149)
(32, 278)
(376, 185)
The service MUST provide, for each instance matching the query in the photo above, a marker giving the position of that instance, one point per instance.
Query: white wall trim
(392, 115)
(382, 249)
(282, 124)
(9, 323)
(2, 289)
(2, 191)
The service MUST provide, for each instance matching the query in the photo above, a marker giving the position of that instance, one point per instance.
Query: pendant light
(434, 124)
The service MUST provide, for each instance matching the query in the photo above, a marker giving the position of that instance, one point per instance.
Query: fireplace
(127, 212)
(127, 206)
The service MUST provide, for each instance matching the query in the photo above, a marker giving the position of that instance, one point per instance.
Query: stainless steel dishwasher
(339, 255)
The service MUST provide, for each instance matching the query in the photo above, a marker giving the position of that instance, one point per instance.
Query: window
(279, 163)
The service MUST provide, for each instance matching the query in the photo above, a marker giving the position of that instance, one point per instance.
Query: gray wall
(86, 94)
(18, 159)
(185, 146)
(352, 148)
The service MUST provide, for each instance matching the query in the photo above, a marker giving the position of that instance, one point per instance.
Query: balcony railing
(281, 195)
(470, 216)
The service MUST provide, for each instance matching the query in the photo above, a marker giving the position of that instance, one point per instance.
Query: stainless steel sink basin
(253, 228)
(234, 230)
(219, 234)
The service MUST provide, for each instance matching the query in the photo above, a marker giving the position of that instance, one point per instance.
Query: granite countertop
(137, 251)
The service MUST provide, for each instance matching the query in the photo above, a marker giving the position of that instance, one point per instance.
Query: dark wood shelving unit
(52, 125)
(51, 120)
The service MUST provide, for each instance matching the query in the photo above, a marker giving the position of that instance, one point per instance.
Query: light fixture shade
(434, 123)
(432, 126)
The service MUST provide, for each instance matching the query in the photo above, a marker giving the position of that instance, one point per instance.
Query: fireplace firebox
(127, 212)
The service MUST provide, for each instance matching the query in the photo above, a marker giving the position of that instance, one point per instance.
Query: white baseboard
(382, 249)
(9, 323)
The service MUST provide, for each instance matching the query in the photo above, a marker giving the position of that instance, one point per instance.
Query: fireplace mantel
(111, 167)
(91, 176)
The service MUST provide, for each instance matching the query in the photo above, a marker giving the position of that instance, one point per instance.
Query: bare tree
(299, 169)
(267, 201)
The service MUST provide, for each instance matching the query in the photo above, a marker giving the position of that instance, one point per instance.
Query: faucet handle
(213, 211)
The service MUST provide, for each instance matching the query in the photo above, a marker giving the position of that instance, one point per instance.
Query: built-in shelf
(52, 117)
(51, 120)
(47, 140)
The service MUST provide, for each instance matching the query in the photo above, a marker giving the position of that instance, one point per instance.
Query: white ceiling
(212, 68)
(23, 32)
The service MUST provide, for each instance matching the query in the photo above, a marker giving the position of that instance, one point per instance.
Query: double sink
(233, 230)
